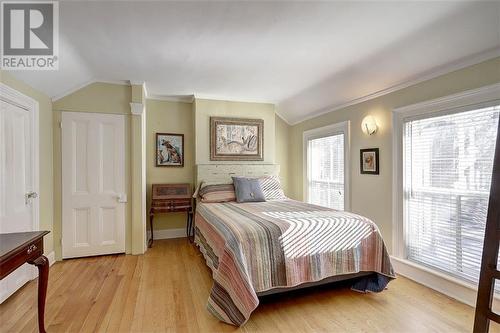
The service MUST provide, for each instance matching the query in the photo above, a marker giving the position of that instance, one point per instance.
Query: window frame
(456, 103)
(321, 132)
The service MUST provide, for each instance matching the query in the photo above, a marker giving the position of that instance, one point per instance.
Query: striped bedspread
(254, 247)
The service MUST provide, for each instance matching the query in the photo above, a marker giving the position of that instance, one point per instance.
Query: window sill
(460, 290)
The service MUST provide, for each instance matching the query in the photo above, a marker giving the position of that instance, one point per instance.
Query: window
(447, 167)
(326, 166)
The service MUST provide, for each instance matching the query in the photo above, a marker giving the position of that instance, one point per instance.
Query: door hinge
(60, 124)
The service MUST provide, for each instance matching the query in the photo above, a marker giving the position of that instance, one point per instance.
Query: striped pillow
(271, 187)
(217, 193)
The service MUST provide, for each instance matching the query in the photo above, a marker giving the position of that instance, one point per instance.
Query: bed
(255, 249)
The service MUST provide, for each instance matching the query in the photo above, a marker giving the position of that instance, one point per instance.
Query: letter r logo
(28, 28)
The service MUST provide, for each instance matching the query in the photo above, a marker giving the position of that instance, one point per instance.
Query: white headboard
(222, 173)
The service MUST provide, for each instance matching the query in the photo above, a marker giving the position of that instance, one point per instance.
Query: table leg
(42, 263)
(151, 216)
(187, 224)
(191, 227)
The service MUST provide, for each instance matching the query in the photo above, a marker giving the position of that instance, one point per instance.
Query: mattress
(257, 248)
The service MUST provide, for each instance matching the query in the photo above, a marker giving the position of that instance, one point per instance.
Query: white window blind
(448, 163)
(326, 171)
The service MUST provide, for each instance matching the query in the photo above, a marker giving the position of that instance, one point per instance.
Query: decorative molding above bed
(222, 173)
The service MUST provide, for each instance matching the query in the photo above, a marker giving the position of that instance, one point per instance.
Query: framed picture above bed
(236, 139)
(169, 150)
(369, 161)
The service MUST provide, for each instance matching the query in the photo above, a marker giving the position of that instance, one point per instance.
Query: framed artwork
(236, 139)
(169, 150)
(369, 161)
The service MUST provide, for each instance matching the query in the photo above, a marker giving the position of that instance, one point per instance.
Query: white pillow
(271, 187)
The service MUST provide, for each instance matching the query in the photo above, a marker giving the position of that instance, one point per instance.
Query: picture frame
(369, 161)
(236, 139)
(169, 150)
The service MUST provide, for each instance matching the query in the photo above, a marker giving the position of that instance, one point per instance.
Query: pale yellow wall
(282, 149)
(169, 117)
(206, 108)
(371, 195)
(45, 132)
(96, 98)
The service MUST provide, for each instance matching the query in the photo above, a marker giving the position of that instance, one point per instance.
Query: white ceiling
(305, 57)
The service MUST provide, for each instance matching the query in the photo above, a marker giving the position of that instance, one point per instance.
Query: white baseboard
(52, 258)
(461, 291)
(168, 233)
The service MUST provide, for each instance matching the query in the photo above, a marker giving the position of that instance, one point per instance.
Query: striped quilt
(255, 247)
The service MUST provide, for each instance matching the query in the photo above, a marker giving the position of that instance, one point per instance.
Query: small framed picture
(169, 150)
(369, 161)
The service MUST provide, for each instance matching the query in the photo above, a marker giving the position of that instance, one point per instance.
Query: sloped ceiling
(305, 57)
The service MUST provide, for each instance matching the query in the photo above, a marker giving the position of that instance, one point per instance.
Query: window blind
(326, 171)
(448, 163)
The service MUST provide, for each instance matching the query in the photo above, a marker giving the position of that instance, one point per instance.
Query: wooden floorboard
(166, 290)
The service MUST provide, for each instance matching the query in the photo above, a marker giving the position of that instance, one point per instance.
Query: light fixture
(369, 125)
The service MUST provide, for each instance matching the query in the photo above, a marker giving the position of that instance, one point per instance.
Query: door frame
(14, 97)
(316, 133)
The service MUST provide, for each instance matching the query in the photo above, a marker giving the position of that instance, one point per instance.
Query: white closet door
(93, 182)
(16, 184)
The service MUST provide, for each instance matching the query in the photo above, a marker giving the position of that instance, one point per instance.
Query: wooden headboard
(222, 173)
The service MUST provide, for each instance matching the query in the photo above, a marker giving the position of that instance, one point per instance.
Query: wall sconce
(369, 125)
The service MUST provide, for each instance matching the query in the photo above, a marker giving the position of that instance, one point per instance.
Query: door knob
(30, 195)
(121, 197)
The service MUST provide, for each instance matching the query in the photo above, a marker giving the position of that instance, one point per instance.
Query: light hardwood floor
(166, 290)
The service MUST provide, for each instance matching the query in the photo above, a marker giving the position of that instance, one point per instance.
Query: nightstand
(171, 198)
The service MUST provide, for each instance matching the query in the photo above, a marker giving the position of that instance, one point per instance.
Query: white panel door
(17, 199)
(93, 181)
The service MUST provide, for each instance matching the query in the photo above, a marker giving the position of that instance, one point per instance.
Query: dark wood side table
(26, 247)
(171, 198)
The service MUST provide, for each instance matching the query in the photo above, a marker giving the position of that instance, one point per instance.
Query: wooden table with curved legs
(19, 248)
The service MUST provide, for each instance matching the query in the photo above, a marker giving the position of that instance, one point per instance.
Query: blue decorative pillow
(248, 189)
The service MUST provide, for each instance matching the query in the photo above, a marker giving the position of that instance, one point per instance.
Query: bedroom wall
(371, 195)
(169, 117)
(97, 98)
(46, 170)
(205, 108)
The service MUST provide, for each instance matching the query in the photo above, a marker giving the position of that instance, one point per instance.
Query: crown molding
(72, 90)
(87, 83)
(172, 98)
(136, 82)
(479, 95)
(231, 99)
(136, 108)
(442, 70)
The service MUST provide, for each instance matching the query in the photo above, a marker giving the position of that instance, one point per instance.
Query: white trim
(136, 108)
(168, 233)
(136, 83)
(341, 127)
(279, 114)
(172, 98)
(444, 105)
(442, 70)
(218, 97)
(463, 101)
(140, 83)
(52, 258)
(29, 104)
(464, 98)
(445, 284)
(65, 93)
